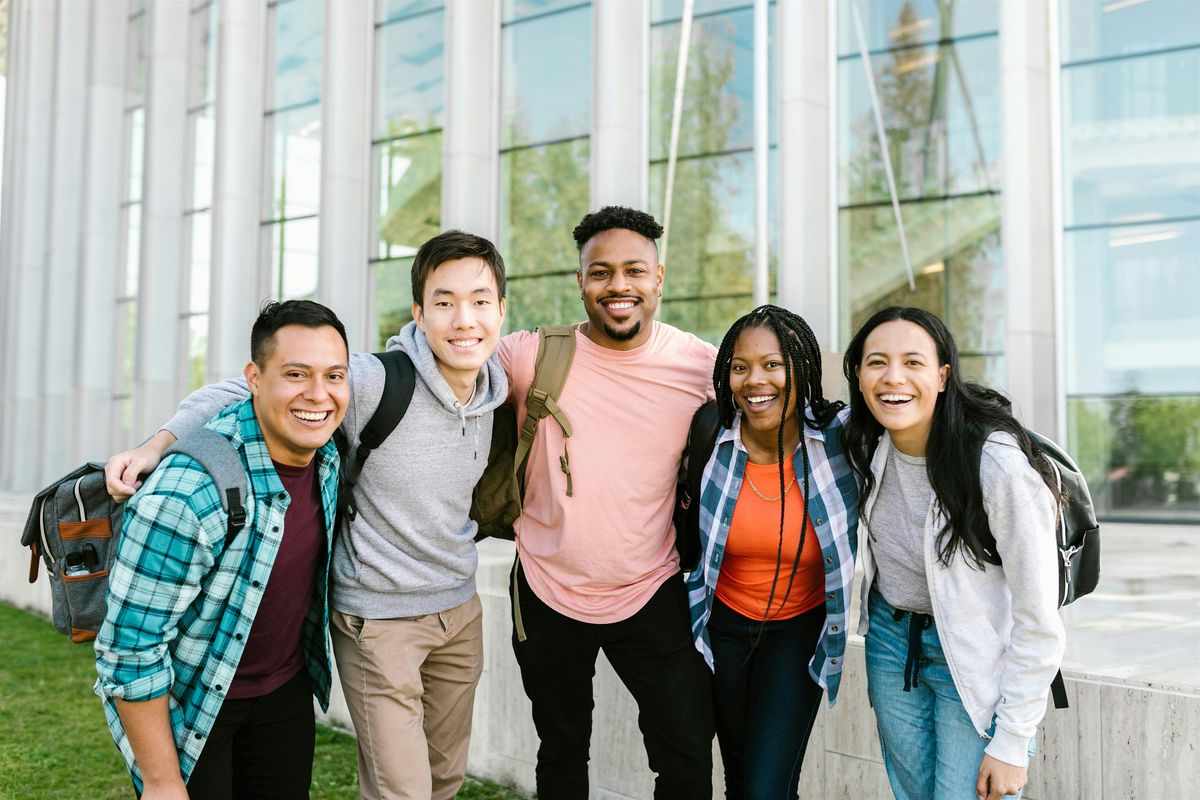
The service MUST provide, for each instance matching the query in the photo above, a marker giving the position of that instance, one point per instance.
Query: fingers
(121, 473)
(981, 783)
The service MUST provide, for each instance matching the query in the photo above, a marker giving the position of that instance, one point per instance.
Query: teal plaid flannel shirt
(180, 605)
(833, 510)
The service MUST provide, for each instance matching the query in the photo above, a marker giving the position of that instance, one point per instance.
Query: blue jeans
(931, 749)
(764, 700)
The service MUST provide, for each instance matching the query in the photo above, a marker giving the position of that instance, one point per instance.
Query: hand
(998, 778)
(122, 472)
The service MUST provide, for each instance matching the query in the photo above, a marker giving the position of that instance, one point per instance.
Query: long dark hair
(802, 374)
(964, 416)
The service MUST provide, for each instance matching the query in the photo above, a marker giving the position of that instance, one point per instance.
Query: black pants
(764, 698)
(653, 654)
(260, 748)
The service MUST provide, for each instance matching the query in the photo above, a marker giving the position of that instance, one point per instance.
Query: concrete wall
(1120, 739)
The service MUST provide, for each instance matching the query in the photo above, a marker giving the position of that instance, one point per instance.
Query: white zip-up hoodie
(999, 628)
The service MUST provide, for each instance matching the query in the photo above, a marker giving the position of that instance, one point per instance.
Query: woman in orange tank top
(777, 526)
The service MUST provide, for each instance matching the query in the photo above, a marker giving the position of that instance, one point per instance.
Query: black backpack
(74, 526)
(702, 437)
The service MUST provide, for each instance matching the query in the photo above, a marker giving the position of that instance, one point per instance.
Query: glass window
(1140, 454)
(936, 69)
(941, 112)
(547, 79)
(1120, 27)
(295, 168)
(392, 297)
(1133, 307)
(409, 76)
(544, 169)
(1131, 139)
(410, 194)
(410, 90)
(204, 145)
(293, 258)
(710, 271)
(200, 263)
(543, 195)
(202, 69)
(515, 10)
(391, 10)
(1131, 251)
(671, 10)
(718, 93)
(297, 53)
(135, 119)
(888, 24)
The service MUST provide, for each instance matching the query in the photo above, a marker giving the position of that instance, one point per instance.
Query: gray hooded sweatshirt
(411, 549)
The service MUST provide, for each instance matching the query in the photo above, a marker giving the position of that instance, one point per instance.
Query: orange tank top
(748, 566)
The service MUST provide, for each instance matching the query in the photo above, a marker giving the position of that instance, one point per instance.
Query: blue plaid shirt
(833, 509)
(180, 605)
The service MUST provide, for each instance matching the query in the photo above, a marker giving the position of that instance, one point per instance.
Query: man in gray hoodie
(406, 620)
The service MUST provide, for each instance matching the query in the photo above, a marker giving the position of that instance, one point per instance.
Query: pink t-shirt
(599, 555)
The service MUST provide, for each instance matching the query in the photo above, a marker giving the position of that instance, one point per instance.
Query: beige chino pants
(410, 687)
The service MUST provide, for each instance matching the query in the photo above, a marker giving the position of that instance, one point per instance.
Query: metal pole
(762, 275)
(685, 37)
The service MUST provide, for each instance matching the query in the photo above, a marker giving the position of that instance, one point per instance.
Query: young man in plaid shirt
(210, 653)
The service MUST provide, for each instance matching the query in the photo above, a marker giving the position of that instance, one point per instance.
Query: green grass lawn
(54, 742)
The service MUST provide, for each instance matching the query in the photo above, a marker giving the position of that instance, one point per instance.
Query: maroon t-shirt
(273, 652)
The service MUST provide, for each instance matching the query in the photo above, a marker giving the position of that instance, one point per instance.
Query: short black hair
(450, 246)
(275, 315)
(610, 217)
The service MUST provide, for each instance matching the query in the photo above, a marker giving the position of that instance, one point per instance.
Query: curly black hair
(611, 217)
(802, 359)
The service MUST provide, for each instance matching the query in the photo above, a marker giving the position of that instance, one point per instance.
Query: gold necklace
(786, 489)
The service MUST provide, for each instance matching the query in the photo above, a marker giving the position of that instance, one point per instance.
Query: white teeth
(895, 398)
(621, 304)
(464, 343)
(761, 398)
(311, 416)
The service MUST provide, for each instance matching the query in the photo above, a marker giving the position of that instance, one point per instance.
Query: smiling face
(300, 391)
(757, 373)
(462, 316)
(900, 379)
(620, 281)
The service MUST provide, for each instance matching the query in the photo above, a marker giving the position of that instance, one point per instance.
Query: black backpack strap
(223, 464)
(399, 382)
(1058, 688)
(702, 438)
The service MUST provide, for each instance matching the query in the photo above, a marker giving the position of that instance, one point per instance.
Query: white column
(345, 223)
(8, 196)
(1029, 217)
(100, 234)
(620, 104)
(61, 239)
(806, 168)
(160, 294)
(236, 194)
(471, 135)
(27, 209)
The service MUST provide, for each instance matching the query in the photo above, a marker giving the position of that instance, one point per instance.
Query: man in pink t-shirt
(598, 570)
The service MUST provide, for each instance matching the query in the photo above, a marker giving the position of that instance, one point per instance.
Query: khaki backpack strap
(556, 350)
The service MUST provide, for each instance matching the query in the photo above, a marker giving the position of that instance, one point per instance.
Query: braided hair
(802, 373)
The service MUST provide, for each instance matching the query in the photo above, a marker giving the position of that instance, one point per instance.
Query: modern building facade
(1028, 169)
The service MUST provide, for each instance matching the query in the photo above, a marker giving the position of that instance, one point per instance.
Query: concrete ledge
(1121, 737)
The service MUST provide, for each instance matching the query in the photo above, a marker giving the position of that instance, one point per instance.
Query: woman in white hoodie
(959, 599)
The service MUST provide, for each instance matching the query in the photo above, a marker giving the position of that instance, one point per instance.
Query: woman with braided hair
(778, 521)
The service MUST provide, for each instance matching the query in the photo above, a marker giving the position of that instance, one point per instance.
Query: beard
(623, 335)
